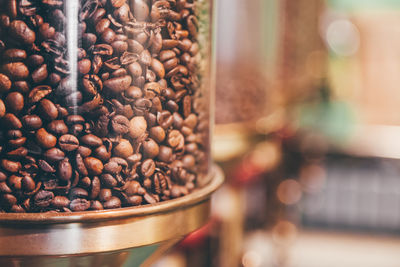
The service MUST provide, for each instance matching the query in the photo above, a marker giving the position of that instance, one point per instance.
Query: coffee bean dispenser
(105, 126)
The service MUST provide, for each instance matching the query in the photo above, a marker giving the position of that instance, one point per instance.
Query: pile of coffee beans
(120, 124)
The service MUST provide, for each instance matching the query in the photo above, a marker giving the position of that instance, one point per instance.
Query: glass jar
(104, 103)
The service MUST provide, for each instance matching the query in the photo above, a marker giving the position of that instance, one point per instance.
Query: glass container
(103, 103)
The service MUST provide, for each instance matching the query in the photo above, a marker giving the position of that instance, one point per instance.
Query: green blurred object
(352, 5)
(334, 119)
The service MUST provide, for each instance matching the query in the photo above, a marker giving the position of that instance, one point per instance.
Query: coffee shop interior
(307, 133)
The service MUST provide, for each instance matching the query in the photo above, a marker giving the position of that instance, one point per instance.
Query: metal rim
(104, 215)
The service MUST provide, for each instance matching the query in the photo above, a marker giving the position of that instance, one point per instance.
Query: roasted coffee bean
(57, 127)
(15, 70)
(120, 124)
(118, 85)
(131, 188)
(88, 39)
(15, 182)
(75, 119)
(2, 108)
(80, 165)
(43, 198)
(178, 120)
(135, 200)
(10, 121)
(93, 165)
(96, 205)
(8, 199)
(84, 66)
(46, 31)
(150, 198)
(14, 102)
(40, 74)
(108, 180)
(76, 129)
(112, 203)
(3, 176)
(175, 191)
(112, 167)
(105, 194)
(165, 154)
(34, 60)
(65, 170)
(85, 182)
(148, 167)
(78, 192)
(45, 139)
(48, 110)
(135, 69)
(119, 46)
(5, 83)
(103, 153)
(157, 133)
(28, 184)
(108, 36)
(175, 139)
(95, 188)
(14, 134)
(45, 166)
(32, 122)
(14, 55)
(150, 148)
(84, 151)
(21, 86)
(21, 32)
(4, 188)
(68, 142)
(124, 149)
(137, 126)
(60, 202)
(79, 204)
(91, 140)
(54, 154)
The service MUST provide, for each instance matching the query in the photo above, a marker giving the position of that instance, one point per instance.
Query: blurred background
(308, 134)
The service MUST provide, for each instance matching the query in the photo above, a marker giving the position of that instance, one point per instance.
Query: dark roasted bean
(108, 180)
(64, 170)
(79, 204)
(54, 154)
(91, 140)
(148, 167)
(21, 32)
(57, 127)
(112, 203)
(93, 165)
(14, 102)
(96, 205)
(5, 83)
(45, 139)
(43, 199)
(105, 194)
(48, 110)
(68, 142)
(32, 122)
(28, 184)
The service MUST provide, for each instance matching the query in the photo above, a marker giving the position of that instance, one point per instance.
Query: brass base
(103, 238)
